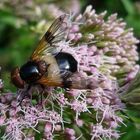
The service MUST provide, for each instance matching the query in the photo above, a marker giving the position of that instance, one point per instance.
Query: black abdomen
(67, 65)
(66, 62)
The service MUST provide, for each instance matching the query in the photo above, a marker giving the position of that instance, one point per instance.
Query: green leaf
(130, 132)
(129, 6)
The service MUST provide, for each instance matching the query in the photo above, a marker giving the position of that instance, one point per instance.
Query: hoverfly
(46, 67)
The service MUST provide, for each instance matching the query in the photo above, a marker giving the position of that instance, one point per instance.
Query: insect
(46, 67)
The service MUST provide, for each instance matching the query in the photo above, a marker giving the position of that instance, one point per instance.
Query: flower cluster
(106, 54)
(111, 41)
(34, 10)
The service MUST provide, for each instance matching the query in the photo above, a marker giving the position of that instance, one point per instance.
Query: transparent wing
(54, 34)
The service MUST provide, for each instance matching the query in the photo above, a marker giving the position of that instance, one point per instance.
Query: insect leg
(23, 94)
(41, 93)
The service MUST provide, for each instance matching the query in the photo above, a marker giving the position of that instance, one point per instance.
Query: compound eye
(16, 79)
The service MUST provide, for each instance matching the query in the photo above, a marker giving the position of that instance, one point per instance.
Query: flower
(34, 11)
(106, 54)
(98, 132)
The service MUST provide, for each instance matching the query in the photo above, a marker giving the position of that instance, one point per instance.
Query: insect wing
(54, 34)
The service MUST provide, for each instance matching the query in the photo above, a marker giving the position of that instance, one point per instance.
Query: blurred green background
(23, 21)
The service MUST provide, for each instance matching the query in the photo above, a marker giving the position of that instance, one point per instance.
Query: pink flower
(98, 132)
(106, 59)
